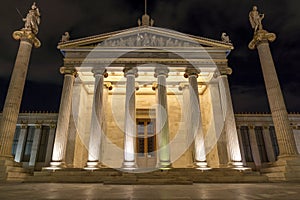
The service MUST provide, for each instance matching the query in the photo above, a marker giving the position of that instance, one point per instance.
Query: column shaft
(284, 133)
(63, 118)
(230, 125)
(21, 143)
(254, 148)
(196, 122)
(94, 158)
(35, 145)
(268, 144)
(162, 119)
(50, 145)
(216, 138)
(130, 120)
(14, 98)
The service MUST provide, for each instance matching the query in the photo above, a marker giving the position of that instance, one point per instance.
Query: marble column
(284, 132)
(61, 134)
(215, 140)
(184, 87)
(241, 145)
(35, 145)
(162, 119)
(196, 130)
(50, 144)
(268, 144)
(15, 91)
(235, 158)
(129, 162)
(21, 143)
(94, 157)
(254, 148)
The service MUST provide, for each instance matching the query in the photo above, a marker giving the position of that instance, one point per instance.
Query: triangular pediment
(145, 36)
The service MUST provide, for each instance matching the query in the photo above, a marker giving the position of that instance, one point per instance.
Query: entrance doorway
(146, 143)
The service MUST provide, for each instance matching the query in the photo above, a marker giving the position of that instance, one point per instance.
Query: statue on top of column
(255, 19)
(32, 19)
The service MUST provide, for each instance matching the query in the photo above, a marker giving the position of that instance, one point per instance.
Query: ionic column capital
(24, 126)
(191, 72)
(101, 71)
(68, 71)
(261, 36)
(130, 71)
(27, 35)
(161, 71)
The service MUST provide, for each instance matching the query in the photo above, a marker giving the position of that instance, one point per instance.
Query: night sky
(197, 17)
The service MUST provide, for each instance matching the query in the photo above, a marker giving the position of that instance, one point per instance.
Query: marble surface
(197, 191)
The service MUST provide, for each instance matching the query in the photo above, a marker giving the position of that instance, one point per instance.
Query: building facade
(35, 133)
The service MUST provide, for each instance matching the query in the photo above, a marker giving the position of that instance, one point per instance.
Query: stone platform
(177, 176)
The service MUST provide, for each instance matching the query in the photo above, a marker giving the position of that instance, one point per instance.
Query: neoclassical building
(141, 100)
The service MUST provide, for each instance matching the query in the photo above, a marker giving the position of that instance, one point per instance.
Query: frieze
(147, 40)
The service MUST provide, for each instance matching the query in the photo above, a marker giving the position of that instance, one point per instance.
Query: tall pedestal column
(15, 91)
(94, 158)
(196, 130)
(129, 162)
(235, 158)
(61, 135)
(288, 154)
(162, 119)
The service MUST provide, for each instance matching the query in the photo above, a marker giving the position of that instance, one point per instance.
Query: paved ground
(169, 192)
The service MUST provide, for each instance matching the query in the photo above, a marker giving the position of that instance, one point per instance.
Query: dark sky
(197, 17)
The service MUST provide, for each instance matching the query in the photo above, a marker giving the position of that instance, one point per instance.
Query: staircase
(178, 176)
(10, 171)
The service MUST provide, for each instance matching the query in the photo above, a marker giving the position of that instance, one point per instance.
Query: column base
(201, 165)
(55, 165)
(285, 169)
(129, 165)
(93, 165)
(164, 165)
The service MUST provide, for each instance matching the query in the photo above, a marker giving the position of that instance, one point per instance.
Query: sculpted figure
(255, 19)
(225, 38)
(33, 19)
(65, 37)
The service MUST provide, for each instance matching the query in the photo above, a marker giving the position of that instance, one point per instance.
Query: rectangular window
(274, 140)
(28, 145)
(261, 144)
(246, 143)
(16, 139)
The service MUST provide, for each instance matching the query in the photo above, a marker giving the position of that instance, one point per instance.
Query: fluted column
(284, 132)
(268, 144)
(15, 90)
(162, 119)
(184, 87)
(35, 145)
(196, 130)
(63, 117)
(94, 158)
(233, 147)
(254, 147)
(21, 143)
(50, 144)
(130, 120)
